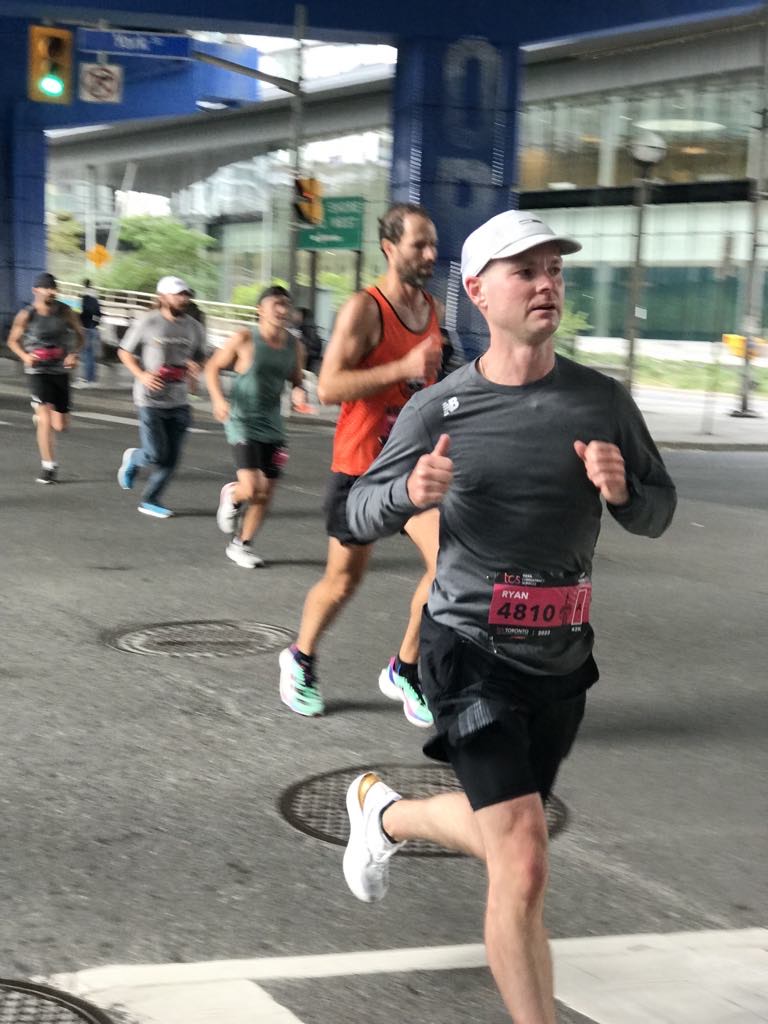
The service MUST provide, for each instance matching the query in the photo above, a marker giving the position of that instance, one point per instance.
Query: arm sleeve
(378, 505)
(652, 494)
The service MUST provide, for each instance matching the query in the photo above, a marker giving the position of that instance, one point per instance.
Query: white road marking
(5, 423)
(709, 977)
(232, 1002)
(105, 417)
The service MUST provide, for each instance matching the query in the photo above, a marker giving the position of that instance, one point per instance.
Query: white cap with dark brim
(508, 234)
(172, 286)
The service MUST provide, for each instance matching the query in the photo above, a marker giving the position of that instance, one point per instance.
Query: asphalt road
(139, 794)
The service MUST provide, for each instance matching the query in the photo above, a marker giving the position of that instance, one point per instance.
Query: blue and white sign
(135, 44)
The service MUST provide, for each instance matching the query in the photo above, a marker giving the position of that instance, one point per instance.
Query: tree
(151, 247)
(572, 323)
(65, 235)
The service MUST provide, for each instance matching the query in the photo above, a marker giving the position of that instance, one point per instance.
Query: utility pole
(297, 107)
(300, 28)
(753, 315)
(634, 310)
(646, 150)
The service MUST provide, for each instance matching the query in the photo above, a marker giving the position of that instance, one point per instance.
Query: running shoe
(366, 858)
(242, 555)
(397, 687)
(157, 511)
(228, 512)
(298, 686)
(47, 476)
(126, 475)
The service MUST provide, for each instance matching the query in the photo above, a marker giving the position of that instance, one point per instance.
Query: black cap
(44, 280)
(274, 291)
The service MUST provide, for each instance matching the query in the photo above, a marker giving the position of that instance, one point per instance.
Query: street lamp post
(753, 313)
(647, 150)
(300, 28)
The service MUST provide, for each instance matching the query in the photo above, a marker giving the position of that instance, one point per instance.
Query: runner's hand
(152, 381)
(605, 468)
(431, 476)
(70, 361)
(220, 409)
(422, 362)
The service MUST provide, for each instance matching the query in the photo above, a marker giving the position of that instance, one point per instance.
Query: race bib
(530, 605)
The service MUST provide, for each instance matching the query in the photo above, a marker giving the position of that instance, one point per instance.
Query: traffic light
(309, 200)
(49, 74)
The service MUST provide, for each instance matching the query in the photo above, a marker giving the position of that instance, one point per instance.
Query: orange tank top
(365, 423)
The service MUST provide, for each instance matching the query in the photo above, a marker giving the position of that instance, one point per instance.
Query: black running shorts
(50, 389)
(335, 508)
(502, 741)
(259, 455)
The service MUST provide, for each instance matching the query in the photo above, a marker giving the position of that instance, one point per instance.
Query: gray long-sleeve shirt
(521, 518)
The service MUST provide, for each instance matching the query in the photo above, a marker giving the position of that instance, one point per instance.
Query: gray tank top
(49, 338)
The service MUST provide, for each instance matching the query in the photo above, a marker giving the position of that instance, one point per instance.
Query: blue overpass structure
(454, 105)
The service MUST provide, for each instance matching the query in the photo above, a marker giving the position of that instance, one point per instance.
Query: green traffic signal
(49, 69)
(51, 85)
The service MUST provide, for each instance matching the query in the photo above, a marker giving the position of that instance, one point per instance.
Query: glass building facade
(708, 124)
(579, 113)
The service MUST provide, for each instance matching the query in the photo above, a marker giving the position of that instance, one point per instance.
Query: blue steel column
(22, 177)
(455, 113)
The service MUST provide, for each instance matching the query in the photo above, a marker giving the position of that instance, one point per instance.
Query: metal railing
(119, 307)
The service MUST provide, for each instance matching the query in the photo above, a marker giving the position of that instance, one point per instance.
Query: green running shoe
(397, 687)
(298, 687)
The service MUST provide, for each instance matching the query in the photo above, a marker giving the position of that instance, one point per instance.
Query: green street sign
(342, 226)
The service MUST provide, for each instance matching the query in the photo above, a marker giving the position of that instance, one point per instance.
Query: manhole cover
(316, 806)
(22, 1002)
(201, 639)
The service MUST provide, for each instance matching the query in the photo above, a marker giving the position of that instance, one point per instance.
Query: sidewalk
(676, 419)
(707, 977)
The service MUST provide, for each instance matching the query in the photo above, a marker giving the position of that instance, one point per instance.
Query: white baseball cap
(508, 234)
(172, 286)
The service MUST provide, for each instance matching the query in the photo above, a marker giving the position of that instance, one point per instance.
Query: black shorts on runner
(335, 508)
(50, 389)
(263, 455)
(501, 742)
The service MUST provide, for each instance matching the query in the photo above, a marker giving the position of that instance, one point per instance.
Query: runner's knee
(251, 492)
(343, 584)
(517, 867)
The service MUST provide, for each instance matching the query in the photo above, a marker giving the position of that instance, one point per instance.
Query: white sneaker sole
(356, 843)
(226, 523)
(127, 456)
(387, 687)
(255, 563)
(155, 515)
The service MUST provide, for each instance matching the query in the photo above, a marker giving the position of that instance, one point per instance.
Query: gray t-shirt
(519, 525)
(164, 346)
